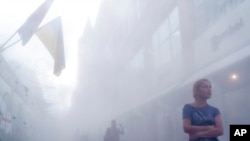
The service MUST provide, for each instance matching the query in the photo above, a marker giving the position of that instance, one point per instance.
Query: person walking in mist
(113, 133)
(202, 121)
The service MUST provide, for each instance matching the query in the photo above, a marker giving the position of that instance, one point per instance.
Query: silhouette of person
(113, 133)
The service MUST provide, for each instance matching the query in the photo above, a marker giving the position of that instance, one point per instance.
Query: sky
(35, 56)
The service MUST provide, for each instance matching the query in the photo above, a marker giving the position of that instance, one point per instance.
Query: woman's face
(205, 90)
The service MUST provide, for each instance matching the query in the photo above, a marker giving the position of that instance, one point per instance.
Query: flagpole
(8, 39)
(3, 49)
(27, 30)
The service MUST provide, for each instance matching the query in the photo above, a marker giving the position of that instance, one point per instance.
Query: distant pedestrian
(113, 133)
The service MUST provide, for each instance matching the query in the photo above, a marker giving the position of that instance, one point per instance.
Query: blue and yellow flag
(30, 26)
(51, 35)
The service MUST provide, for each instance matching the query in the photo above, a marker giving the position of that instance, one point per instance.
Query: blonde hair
(197, 85)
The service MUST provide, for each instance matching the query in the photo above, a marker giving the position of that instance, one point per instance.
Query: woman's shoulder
(212, 107)
(187, 106)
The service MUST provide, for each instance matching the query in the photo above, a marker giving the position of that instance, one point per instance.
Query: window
(166, 40)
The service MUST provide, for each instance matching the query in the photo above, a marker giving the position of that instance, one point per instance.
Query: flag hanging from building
(51, 35)
(30, 26)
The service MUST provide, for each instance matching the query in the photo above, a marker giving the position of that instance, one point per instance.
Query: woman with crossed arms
(202, 121)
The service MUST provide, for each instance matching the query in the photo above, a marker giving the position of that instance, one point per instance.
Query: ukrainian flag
(51, 35)
(30, 26)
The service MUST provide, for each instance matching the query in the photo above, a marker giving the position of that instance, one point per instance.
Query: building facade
(22, 109)
(141, 57)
